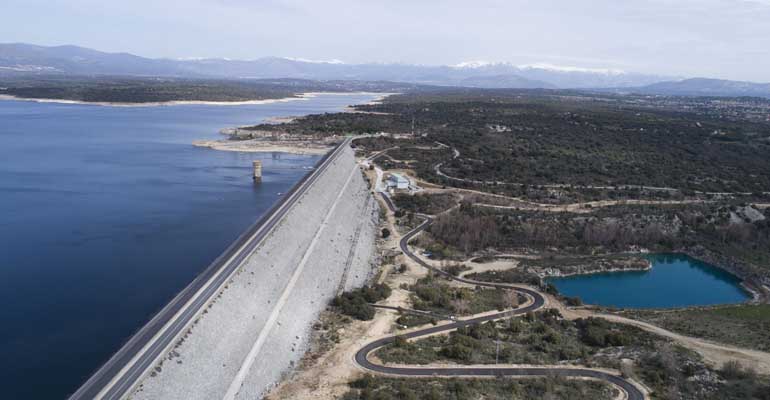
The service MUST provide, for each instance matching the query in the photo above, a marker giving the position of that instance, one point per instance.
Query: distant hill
(78, 60)
(706, 87)
(564, 77)
(25, 59)
(72, 60)
(504, 82)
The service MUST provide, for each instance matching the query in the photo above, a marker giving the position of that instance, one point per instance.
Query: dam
(246, 320)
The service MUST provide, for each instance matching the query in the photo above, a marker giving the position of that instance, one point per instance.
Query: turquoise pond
(675, 280)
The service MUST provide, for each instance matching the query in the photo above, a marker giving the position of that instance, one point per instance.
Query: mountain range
(20, 58)
(705, 87)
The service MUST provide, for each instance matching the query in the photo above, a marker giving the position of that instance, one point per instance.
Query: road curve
(115, 379)
(362, 356)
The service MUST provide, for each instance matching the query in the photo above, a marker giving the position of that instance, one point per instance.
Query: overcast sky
(714, 38)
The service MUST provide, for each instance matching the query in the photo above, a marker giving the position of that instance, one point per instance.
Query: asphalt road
(115, 379)
(362, 356)
(388, 202)
(421, 313)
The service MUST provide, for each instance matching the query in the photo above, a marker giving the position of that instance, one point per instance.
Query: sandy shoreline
(298, 97)
(308, 147)
(249, 146)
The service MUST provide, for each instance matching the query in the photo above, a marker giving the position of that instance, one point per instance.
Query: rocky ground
(278, 293)
(250, 140)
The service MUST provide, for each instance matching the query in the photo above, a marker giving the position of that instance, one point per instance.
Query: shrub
(357, 303)
(573, 301)
(732, 370)
(456, 269)
(364, 382)
(597, 333)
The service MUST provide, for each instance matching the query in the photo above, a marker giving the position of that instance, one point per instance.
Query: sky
(727, 39)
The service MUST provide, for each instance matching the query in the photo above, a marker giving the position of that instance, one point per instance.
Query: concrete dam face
(258, 325)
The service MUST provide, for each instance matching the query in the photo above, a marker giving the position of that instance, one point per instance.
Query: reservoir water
(106, 213)
(675, 280)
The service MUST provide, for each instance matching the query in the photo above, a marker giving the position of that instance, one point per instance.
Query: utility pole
(413, 126)
(497, 351)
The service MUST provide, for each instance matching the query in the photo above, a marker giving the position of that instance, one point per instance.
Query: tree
(510, 299)
(461, 306)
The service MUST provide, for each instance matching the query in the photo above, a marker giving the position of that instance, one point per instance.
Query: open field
(742, 325)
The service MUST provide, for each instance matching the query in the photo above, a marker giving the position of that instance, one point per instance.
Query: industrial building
(398, 181)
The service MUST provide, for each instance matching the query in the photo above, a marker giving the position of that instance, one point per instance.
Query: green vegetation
(745, 326)
(436, 248)
(539, 338)
(513, 275)
(433, 294)
(138, 90)
(537, 139)
(709, 230)
(456, 269)
(154, 89)
(540, 139)
(357, 303)
(424, 203)
(410, 320)
(562, 147)
(553, 388)
(742, 383)
(513, 141)
(672, 372)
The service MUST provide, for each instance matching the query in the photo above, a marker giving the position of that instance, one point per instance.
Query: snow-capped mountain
(561, 76)
(73, 60)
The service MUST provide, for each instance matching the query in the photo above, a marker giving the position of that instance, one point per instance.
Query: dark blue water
(675, 280)
(106, 213)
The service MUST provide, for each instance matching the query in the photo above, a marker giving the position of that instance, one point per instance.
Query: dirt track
(713, 353)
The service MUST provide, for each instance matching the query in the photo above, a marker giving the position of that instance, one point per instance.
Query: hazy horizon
(727, 39)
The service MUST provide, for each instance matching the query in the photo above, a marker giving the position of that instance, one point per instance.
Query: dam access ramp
(249, 323)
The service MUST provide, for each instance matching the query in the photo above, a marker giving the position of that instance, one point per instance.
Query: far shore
(227, 145)
(249, 146)
(282, 146)
(298, 97)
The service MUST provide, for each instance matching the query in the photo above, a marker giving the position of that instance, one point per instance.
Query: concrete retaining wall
(291, 277)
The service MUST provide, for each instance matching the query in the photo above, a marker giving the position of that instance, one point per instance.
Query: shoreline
(298, 97)
(243, 147)
(754, 288)
(754, 294)
(546, 274)
(305, 147)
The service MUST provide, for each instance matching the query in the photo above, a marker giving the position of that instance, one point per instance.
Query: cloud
(682, 37)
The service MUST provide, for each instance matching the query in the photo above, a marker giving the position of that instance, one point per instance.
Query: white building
(398, 181)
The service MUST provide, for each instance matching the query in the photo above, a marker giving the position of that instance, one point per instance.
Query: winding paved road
(115, 379)
(388, 202)
(362, 356)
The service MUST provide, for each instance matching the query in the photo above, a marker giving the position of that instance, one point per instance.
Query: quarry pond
(675, 280)
(107, 212)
